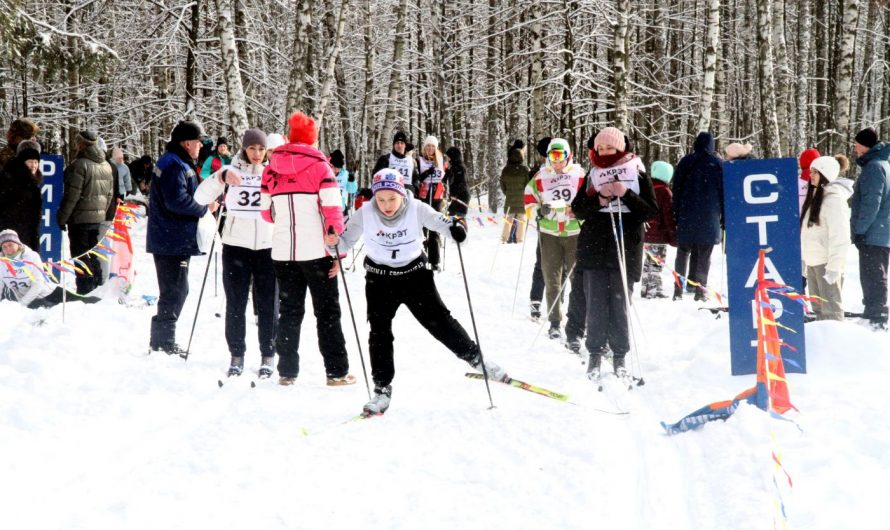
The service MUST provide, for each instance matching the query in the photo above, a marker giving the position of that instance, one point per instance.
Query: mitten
(458, 229)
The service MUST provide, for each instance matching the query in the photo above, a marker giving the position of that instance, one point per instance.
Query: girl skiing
(392, 224)
(246, 251)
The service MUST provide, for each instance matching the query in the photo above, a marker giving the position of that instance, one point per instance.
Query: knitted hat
(662, 171)
(21, 129)
(87, 137)
(827, 166)
(302, 129)
(9, 235)
(337, 158)
(388, 179)
(805, 159)
(251, 137)
(185, 131)
(737, 150)
(274, 141)
(400, 136)
(222, 140)
(542, 146)
(558, 144)
(517, 144)
(28, 150)
(610, 136)
(867, 137)
(431, 140)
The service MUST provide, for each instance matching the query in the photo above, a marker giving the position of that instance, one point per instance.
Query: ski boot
(169, 349)
(554, 332)
(266, 367)
(345, 380)
(236, 366)
(495, 372)
(379, 402)
(621, 372)
(594, 372)
(535, 310)
(574, 345)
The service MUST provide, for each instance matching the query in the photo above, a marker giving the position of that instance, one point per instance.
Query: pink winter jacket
(300, 196)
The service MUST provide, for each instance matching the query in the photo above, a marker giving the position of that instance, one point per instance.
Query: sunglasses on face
(557, 156)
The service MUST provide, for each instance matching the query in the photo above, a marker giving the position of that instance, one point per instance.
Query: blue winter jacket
(698, 194)
(871, 197)
(173, 213)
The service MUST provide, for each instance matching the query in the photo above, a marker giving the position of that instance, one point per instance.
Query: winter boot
(169, 349)
(536, 310)
(678, 293)
(236, 366)
(618, 366)
(574, 344)
(495, 372)
(379, 402)
(267, 368)
(701, 295)
(287, 381)
(347, 379)
(554, 332)
(593, 366)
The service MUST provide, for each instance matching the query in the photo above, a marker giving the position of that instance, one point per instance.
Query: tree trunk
(392, 94)
(325, 94)
(803, 73)
(845, 74)
(296, 87)
(712, 41)
(190, 62)
(619, 64)
(783, 82)
(536, 80)
(767, 85)
(231, 71)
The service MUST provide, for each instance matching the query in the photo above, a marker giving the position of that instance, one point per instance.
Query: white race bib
(404, 165)
(393, 246)
(627, 173)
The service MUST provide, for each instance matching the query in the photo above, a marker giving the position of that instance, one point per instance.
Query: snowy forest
(782, 75)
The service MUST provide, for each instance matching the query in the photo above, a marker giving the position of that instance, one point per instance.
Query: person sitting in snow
(392, 225)
(24, 279)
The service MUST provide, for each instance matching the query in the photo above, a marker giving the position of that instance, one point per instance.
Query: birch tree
(713, 40)
(232, 72)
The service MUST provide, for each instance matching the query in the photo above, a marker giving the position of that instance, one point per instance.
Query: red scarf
(605, 161)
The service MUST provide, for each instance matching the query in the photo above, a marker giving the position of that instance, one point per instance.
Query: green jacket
(89, 185)
(514, 177)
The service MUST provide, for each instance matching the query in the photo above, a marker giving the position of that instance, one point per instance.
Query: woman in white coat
(825, 234)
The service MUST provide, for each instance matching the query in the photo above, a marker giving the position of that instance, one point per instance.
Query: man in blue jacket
(172, 230)
(870, 223)
(698, 212)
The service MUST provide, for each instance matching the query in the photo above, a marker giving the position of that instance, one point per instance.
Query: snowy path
(97, 435)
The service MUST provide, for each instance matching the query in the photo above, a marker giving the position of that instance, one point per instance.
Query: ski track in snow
(97, 434)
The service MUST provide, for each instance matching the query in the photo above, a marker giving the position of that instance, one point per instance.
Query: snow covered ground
(96, 435)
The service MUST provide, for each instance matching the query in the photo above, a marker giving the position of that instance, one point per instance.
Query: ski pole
(358, 341)
(519, 273)
(463, 273)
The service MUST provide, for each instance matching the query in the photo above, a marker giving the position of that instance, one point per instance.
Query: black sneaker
(574, 344)
(535, 310)
(236, 366)
(554, 332)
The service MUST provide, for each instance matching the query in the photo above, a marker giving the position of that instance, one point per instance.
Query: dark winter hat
(542, 146)
(28, 150)
(185, 131)
(337, 159)
(21, 129)
(7, 236)
(88, 137)
(251, 137)
(867, 137)
(222, 140)
(400, 136)
(517, 144)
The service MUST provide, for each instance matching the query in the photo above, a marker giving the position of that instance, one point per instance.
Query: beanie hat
(222, 140)
(827, 166)
(737, 150)
(9, 235)
(610, 136)
(558, 144)
(87, 137)
(867, 137)
(274, 141)
(251, 137)
(28, 150)
(431, 140)
(805, 159)
(388, 179)
(662, 171)
(21, 129)
(302, 129)
(100, 143)
(542, 146)
(337, 159)
(400, 136)
(185, 131)
(517, 144)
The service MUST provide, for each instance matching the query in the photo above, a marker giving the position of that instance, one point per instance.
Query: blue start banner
(52, 167)
(761, 211)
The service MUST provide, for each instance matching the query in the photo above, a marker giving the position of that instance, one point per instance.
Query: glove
(831, 277)
(458, 229)
(544, 210)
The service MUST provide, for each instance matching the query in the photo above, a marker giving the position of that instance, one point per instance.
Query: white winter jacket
(242, 228)
(827, 243)
(22, 276)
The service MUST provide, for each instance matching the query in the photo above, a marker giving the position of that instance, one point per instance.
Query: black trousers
(173, 287)
(82, 238)
(55, 298)
(607, 322)
(537, 292)
(577, 313)
(431, 243)
(873, 264)
(694, 262)
(418, 292)
(294, 277)
(240, 266)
